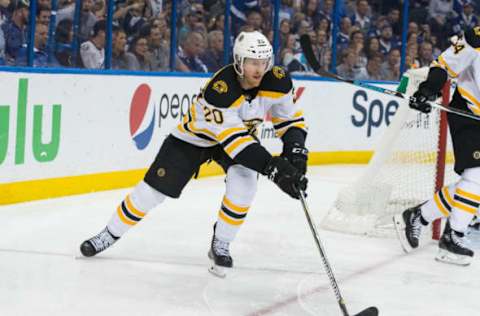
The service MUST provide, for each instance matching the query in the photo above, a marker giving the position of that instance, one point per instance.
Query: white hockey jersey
(462, 61)
(223, 114)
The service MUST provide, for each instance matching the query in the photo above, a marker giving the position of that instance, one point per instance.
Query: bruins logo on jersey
(252, 125)
(220, 86)
(278, 72)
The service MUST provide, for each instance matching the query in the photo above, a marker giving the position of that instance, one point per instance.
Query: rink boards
(66, 133)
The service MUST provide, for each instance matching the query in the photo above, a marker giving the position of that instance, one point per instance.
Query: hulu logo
(42, 152)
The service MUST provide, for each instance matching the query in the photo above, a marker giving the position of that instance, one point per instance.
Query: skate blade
(451, 258)
(217, 271)
(400, 229)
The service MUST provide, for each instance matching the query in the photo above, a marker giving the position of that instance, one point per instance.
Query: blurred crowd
(368, 41)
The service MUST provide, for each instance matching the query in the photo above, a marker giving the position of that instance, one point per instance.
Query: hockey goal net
(411, 161)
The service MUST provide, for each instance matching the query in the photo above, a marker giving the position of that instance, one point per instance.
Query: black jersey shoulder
(223, 89)
(276, 80)
(472, 36)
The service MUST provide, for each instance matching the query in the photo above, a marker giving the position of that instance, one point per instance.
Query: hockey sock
(133, 208)
(241, 186)
(440, 205)
(467, 201)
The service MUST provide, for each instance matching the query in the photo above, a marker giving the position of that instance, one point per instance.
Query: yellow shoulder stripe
(442, 62)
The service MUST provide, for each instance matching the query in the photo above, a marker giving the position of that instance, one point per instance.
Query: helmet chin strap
(236, 66)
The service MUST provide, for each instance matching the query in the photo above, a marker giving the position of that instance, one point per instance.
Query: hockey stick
(312, 60)
(371, 311)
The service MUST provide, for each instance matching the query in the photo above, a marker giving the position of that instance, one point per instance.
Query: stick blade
(371, 311)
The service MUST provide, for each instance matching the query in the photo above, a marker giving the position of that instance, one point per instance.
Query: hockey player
(459, 201)
(220, 125)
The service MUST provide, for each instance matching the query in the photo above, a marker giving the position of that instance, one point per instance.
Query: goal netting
(407, 167)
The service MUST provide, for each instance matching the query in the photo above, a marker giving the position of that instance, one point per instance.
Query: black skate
(97, 243)
(220, 255)
(452, 248)
(475, 224)
(409, 227)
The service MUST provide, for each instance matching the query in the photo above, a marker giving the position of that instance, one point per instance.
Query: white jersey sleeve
(287, 114)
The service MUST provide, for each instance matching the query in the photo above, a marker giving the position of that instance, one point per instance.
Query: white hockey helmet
(251, 45)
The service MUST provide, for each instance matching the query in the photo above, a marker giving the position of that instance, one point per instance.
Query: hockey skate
(475, 224)
(220, 255)
(452, 248)
(408, 226)
(97, 243)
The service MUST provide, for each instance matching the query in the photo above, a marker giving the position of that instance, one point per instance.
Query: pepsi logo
(138, 115)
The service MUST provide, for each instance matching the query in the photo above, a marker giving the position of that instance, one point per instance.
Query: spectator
(425, 54)
(289, 50)
(134, 18)
(324, 25)
(63, 41)
(372, 70)
(45, 3)
(120, 58)
(311, 12)
(347, 68)
(376, 28)
(298, 17)
(419, 11)
(87, 18)
(412, 51)
(5, 13)
(326, 11)
(284, 31)
(326, 59)
(393, 19)
(343, 39)
(99, 9)
(361, 17)
(357, 43)
(413, 28)
(159, 50)
(213, 55)
(467, 19)
(155, 7)
(374, 66)
(391, 67)
(92, 52)
(40, 55)
(266, 10)
(304, 27)
(255, 20)
(373, 47)
(43, 15)
(190, 50)
(411, 62)
(139, 49)
(15, 30)
(412, 38)
(239, 10)
(322, 43)
(161, 24)
(439, 11)
(286, 10)
(192, 20)
(387, 41)
(216, 23)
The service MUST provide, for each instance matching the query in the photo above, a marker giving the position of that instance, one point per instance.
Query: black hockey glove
(421, 97)
(286, 176)
(297, 155)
